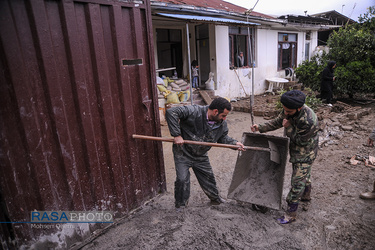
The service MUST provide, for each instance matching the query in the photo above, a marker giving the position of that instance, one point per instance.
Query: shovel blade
(256, 178)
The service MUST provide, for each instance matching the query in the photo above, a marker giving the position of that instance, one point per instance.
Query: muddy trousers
(300, 182)
(202, 170)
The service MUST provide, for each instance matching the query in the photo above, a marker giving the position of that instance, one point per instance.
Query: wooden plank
(206, 98)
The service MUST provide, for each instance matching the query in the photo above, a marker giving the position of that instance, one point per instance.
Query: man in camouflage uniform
(197, 123)
(301, 126)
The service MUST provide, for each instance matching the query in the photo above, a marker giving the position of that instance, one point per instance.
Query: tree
(367, 21)
(353, 49)
(351, 44)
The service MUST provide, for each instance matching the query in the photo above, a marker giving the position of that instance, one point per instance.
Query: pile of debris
(368, 160)
(335, 121)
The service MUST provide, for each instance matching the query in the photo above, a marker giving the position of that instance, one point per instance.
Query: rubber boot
(306, 194)
(306, 198)
(217, 201)
(368, 195)
(290, 215)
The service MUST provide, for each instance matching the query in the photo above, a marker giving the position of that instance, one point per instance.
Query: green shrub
(355, 77)
(309, 71)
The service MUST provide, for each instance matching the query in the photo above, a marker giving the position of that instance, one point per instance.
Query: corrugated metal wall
(69, 107)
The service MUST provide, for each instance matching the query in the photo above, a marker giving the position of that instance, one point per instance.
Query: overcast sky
(298, 7)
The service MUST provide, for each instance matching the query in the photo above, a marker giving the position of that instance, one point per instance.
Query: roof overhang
(195, 18)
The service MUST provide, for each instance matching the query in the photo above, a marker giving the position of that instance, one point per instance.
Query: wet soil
(336, 218)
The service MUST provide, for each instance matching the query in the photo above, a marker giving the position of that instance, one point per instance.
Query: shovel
(274, 152)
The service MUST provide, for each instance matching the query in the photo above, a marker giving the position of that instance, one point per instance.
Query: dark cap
(293, 99)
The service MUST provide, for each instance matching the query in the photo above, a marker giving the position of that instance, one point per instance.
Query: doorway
(169, 49)
(203, 52)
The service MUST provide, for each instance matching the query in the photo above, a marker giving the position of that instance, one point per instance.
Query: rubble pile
(340, 119)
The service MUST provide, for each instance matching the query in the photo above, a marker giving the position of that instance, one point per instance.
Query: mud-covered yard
(336, 218)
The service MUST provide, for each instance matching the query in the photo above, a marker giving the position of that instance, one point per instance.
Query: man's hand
(255, 127)
(241, 146)
(286, 123)
(178, 140)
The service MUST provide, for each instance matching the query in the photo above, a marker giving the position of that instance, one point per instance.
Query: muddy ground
(336, 218)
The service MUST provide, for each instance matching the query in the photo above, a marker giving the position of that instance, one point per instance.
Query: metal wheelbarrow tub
(256, 178)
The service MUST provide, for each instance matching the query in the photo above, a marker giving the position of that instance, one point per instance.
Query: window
(239, 42)
(307, 51)
(287, 51)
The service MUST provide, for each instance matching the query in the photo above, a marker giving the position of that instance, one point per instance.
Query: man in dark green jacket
(301, 126)
(197, 123)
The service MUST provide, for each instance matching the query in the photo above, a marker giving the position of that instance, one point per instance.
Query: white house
(217, 31)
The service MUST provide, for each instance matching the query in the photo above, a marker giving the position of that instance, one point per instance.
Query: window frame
(236, 34)
(292, 52)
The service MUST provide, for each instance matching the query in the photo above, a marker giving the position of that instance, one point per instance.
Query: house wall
(266, 57)
(237, 82)
(234, 83)
(229, 83)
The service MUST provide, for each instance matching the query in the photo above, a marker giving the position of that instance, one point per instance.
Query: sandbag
(166, 93)
(174, 85)
(183, 88)
(179, 81)
(159, 80)
(183, 83)
(184, 96)
(165, 82)
(161, 88)
(173, 98)
(210, 84)
(169, 80)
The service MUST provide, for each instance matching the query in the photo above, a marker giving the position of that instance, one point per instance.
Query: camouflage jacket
(303, 134)
(191, 123)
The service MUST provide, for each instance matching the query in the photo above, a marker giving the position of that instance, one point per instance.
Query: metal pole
(188, 48)
(252, 74)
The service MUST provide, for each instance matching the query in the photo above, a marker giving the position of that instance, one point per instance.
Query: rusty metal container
(77, 80)
(257, 179)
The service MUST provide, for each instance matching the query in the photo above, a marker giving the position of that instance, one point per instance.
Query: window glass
(239, 49)
(162, 35)
(283, 37)
(292, 38)
(175, 35)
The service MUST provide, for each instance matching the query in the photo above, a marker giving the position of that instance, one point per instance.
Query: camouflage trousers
(202, 170)
(300, 181)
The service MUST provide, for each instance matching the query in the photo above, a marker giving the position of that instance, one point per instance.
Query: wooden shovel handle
(211, 144)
